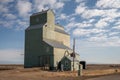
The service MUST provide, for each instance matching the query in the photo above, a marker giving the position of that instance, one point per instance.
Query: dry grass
(94, 70)
(9, 67)
(17, 72)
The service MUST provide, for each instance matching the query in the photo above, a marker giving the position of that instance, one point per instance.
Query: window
(46, 25)
(37, 19)
(66, 62)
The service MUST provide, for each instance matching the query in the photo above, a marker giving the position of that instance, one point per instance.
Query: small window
(37, 19)
(66, 63)
(46, 25)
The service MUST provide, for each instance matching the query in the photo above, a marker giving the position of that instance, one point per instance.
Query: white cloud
(91, 20)
(108, 4)
(107, 19)
(80, 32)
(14, 24)
(87, 24)
(3, 9)
(97, 23)
(80, 9)
(78, 1)
(72, 19)
(8, 56)
(98, 30)
(113, 41)
(86, 32)
(117, 23)
(70, 25)
(98, 38)
(51, 2)
(45, 4)
(63, 16)
(112, 13)
(22, 25)
(58, 5)
(73, 24)
(114, 33)
(104, 40)
(24, 7)
(67, 18)
(94, 12)
(82, 25)
(117, 27)
(6, 1)
(7, 24)
(101, 24)
(10, 16)
(89, 13)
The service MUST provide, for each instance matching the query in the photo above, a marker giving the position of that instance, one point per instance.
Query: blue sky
(94, 23)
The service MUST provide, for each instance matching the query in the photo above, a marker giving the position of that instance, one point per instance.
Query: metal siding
(33, 46)
(42, 19)
(38, 37)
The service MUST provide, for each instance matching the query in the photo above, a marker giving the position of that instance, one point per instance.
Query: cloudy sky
(94, 23)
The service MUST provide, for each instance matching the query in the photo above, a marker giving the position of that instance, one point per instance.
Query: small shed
(67, 63)
(83, 63)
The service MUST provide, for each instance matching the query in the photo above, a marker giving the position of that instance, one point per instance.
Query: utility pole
(73, 53)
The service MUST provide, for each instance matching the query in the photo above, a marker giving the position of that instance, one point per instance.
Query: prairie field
(18, 72)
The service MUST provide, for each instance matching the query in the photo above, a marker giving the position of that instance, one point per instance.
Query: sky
(95, 24)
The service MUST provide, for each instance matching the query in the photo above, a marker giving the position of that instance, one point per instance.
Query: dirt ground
(17, 72)
(107, 77)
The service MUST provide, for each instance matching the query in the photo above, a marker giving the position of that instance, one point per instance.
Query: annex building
(46, 43)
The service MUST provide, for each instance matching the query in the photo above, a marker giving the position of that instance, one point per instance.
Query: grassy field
(17, 72)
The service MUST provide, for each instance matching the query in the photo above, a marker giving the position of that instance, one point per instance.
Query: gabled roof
(59, 25)
(56, 44)
(39, 12)
(60, 31)
(71, 59)
(43, 11)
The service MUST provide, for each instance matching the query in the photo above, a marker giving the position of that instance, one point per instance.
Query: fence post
(80, 70)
